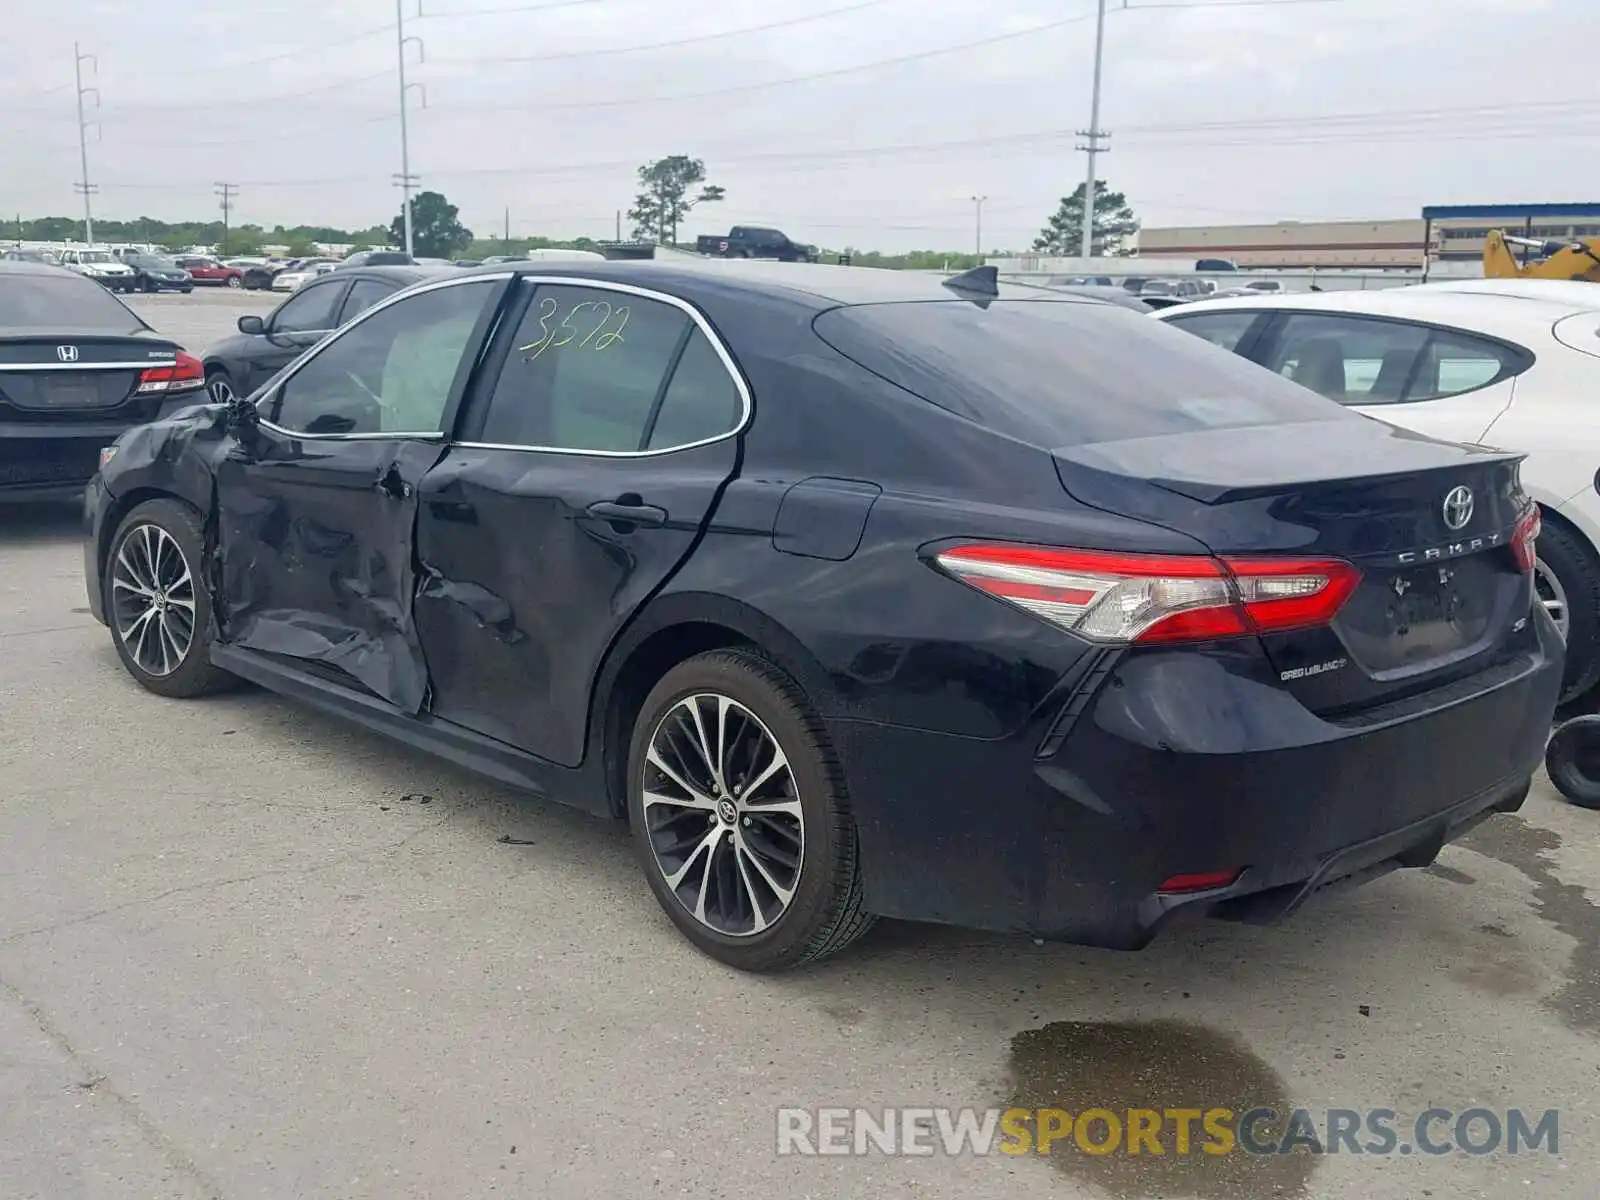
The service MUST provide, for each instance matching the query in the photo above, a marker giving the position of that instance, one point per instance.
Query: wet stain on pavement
(1511, 840)
(1165, 1066)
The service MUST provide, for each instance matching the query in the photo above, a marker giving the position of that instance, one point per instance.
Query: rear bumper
(42, 462)
(1184, 764)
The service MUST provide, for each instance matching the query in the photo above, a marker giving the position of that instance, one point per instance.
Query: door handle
(635, 514)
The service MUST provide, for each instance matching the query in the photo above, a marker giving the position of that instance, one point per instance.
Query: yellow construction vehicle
(1555, 260)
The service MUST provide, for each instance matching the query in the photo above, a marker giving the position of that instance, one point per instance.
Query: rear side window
(1064, 373)
(310, 310)
(63, 300)
(1369, 360)
(597, 370)
(1225, 329)
(364, 293)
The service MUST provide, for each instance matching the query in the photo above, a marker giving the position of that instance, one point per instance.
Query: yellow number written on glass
(595, 316)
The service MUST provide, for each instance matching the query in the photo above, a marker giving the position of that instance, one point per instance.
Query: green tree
(664, 198)
(1114, 223)
(435, 230)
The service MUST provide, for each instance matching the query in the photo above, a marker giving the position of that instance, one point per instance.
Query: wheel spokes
(724, 818)
(153, 600)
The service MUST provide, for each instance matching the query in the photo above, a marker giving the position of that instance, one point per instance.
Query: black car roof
(407, 274)
(11, 266)
(823, 285)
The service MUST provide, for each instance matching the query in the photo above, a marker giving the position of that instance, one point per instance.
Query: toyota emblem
(1457, 507)
(67, 353)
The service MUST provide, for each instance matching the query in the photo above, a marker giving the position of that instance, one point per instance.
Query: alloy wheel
(219, 389)
(153, 600)
(722, 811)
(1552, 595)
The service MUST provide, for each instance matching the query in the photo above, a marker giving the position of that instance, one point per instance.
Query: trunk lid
(74, 374)
(1430, 524)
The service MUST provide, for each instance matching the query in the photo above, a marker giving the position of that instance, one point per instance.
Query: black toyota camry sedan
(77, 367)
(858, 592)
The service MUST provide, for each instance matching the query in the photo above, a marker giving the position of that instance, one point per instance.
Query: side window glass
(702, 401)
(1456, 363)
(390, 374)
(585, 370)
(363, 294)
(1225, 329)
(1354, 360)
(309, 310)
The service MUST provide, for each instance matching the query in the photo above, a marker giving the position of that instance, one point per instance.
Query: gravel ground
(248, 952)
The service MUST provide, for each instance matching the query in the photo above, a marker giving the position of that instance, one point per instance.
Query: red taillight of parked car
(184, 375)
(1146, 598)
(1523, 539)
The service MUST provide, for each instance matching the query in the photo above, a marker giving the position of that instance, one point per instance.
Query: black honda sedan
(77, 367)
(158, 273)
(856, 593)
(237, 365)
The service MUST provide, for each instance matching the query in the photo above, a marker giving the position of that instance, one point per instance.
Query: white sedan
(289, 281)
(1510, 363)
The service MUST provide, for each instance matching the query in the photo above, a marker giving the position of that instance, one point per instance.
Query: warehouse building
(1444, 233)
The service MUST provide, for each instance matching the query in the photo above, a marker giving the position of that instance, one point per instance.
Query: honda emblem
(67, 353)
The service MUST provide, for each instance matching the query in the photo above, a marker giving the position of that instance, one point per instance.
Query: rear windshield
(64, 301)
(1065, 373)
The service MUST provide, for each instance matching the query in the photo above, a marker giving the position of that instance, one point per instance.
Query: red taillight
(1523, 539)
(1202, 881)
(1156, 597)
(184, 375)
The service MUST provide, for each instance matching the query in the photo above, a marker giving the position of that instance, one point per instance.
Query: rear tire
(754, 860)
(156, 602)
(234, 281)
(1572, 760)
(1567, 579)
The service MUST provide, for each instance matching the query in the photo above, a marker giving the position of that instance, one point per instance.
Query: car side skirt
(578, 787)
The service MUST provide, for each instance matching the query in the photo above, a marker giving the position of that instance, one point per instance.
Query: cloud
(1358, 108)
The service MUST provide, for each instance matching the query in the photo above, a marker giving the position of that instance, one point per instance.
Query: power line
(495, 12)
(280, 56)
(697, 40)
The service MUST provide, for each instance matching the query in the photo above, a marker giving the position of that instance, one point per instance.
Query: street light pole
(1093, 136)
(406, 179)
(977, 204)
(83, 185)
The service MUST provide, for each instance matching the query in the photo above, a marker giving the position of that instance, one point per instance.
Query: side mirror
(251, 323)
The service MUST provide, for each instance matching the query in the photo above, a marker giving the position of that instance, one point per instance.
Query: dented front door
(317, 500)
(316, 557)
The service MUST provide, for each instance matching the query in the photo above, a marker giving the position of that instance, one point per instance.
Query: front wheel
(234, 281)
(156, 601)
(740, 815)
(219, 386)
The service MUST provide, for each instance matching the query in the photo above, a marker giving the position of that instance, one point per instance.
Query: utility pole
(227, 191)
(508, 229)
(83, 185)
(1093, 135)
(406, 180)
(977, 240)
(619, 227)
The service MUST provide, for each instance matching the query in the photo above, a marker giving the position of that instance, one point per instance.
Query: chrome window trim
(321, 347)
(695, 315)
(7, 368)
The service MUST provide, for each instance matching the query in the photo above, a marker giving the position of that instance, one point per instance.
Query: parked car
(256, 276)
(1164, 293)
(467, 262)
(211, 273)
(101, 266)
(752, 241)
(24, 254)
(297, 276)
(376, 258)
(1515, 364)
(77, 367)
(157, 273)
(858, 593)
(238, 365)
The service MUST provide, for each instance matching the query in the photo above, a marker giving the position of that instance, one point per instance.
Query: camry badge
(1457, 507)
(67, 353)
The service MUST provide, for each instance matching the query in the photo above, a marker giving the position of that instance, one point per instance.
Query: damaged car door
(317, 502)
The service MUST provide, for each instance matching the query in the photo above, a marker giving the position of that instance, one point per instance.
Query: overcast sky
(845, 122)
